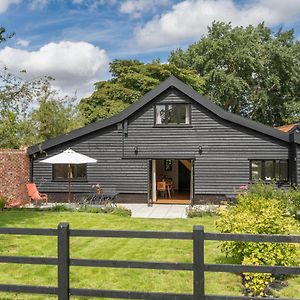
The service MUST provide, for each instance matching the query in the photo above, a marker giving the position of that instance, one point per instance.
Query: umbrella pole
(69, 183)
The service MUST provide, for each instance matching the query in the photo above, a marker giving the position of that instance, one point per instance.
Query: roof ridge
(169, 82)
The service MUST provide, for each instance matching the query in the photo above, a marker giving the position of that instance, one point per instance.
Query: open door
(192, 192)
(150, 183)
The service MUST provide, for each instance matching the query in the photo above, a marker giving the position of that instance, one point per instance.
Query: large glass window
(78, 172)
(256, 170)
(173, 114)
(268, 170)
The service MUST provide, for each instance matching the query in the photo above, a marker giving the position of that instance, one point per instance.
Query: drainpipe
(297, 152)
(293, 138)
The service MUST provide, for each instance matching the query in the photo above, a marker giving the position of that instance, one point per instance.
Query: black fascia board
(172, 81)
(102, 123)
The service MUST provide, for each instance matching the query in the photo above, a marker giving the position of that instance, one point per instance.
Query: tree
(16, 97)
(53, 116)
(30, 111)
(248, 70)
(131, 79)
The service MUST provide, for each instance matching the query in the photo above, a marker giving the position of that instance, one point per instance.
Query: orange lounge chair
(34, 194)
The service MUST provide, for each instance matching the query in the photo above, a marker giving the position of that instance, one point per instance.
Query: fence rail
(198, 267)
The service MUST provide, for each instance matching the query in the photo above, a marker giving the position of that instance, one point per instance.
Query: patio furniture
(169, 184)
(161, 187)
(69, 157)
(106, 196)
(110, 194)
(34, 194)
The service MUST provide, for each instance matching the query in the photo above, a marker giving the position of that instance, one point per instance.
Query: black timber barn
(176, 134)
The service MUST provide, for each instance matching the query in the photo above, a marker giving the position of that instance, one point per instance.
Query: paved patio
(163, 211)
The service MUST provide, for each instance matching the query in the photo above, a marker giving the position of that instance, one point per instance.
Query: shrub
(289, 198)
(256, 214)
(122, 211)
(106, 209)
(2, 202)
(294, 198)
(198, 211)
(60, 207)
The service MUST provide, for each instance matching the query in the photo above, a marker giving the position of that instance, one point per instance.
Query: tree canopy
(131, 79)
(54, 115)
(30, 110)
(248, 70)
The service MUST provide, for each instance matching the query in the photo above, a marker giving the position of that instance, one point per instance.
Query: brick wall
(14, 173)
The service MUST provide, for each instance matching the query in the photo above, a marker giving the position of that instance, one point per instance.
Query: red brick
(14, 173)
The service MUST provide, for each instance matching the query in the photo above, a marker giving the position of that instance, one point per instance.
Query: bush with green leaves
(2, 202)
(106, 209)
(122, 211)
(60, 207)
(199, 212)
(288, 197)
(256, 214)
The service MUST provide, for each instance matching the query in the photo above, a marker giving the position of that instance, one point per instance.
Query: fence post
(63, 258)
(198, 262)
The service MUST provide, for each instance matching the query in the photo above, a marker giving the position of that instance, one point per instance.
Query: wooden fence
(198, 267)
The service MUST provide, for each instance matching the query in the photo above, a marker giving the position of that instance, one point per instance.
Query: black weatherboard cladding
(228, 143)
(226, 147)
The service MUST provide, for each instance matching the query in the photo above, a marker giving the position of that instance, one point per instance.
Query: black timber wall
(226, 148)
(221, 168)
(111, 171)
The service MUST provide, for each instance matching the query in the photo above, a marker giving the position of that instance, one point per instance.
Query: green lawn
(104, 248)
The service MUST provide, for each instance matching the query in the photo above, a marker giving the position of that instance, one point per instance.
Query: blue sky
(74, 40)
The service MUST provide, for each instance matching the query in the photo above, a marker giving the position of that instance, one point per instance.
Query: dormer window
(173, 114)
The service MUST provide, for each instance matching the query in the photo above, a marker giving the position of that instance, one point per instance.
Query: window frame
(81, 179)
(177, 115)
(263, 170)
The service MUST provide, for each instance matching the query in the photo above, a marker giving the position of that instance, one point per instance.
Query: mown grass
(123, 249)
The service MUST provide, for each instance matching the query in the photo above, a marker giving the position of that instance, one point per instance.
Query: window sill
(66, 180)
(173, 126)
(269, 182)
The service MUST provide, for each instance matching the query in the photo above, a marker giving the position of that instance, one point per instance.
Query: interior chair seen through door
(161, 187)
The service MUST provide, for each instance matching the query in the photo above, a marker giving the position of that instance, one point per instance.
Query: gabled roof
(172, 81)
(288, 128)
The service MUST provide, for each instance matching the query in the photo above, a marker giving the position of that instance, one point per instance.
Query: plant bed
(202, 210)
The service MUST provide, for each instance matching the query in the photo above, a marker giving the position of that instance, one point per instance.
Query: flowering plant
(244, 187)
(98, 188)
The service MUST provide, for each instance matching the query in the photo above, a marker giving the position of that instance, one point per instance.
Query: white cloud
(76, 66)
(37, 4)
(22, 43)
(135, 8)
(4, 4)
(189, 19)
(94, 4)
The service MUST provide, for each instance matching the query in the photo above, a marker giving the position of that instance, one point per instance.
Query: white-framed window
(173, 114)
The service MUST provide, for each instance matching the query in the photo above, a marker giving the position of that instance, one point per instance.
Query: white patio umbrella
(69, 157)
